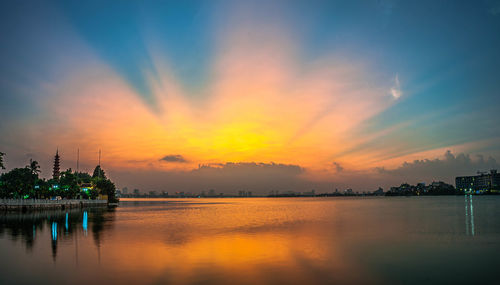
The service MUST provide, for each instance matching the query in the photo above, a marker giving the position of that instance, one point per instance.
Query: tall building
(483, 182)
(56, 171)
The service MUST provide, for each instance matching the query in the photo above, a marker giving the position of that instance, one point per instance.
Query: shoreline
(124, 199)
(40, 204)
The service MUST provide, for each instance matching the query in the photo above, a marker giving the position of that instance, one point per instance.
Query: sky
(253, 95)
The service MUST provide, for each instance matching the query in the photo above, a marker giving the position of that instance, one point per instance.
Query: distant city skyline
(252, 95)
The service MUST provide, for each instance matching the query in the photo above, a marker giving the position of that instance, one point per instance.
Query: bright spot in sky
(396, 89)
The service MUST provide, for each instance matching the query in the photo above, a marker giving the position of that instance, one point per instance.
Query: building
(439, 187)
(86, 187)
(435, 188)
(481, 183)
(403, 189)
(311, 193)
(244, 194)
(378, 192)
(56, 170)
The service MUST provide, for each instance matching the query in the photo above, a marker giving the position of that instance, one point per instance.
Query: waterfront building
(435, 188)
(311, 193)
(421, 188)
(404, 188)
(244, 194)
(481, 183)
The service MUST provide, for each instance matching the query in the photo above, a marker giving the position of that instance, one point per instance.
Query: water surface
(398, 240)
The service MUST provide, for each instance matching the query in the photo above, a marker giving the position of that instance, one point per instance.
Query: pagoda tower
(56, 171)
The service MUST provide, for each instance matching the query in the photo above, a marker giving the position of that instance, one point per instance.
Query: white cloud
(396, 89)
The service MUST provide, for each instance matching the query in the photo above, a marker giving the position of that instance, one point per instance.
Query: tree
(83, 177)
(24, 183)
(1, 160)
(69, 184)
(54, 188)
(93, 193)
(34, 167)
(99, 173)
(18, 183)
(42, 189)
(108, 188)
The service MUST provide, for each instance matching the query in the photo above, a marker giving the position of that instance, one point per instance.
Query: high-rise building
(56, 171)
(483, 182)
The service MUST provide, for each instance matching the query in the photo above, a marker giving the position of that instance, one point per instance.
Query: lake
(342, 240)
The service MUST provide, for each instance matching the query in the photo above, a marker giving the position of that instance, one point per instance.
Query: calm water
(452, 240)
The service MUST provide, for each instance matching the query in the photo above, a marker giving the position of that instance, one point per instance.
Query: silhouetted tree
(106, 187)
(99, 173)
(93, 193)
(69, 184)
(18, 183)
(25, 183)
(83, 177)
(42, 189)
(34, 167)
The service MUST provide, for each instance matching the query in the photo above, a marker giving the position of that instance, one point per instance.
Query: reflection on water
(469, 218)
(64, 225)
(256, 240)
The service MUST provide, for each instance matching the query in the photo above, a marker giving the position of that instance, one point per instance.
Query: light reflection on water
(469, 215)
(257, 240)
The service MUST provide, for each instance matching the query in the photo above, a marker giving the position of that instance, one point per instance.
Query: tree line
(26, 183)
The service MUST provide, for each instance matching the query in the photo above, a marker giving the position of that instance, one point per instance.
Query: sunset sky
(253, 95)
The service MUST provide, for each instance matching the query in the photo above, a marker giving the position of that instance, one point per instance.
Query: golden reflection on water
(252, 241)
(255, 242)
